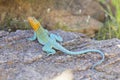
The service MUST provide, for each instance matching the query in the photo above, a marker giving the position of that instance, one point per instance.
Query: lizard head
(34, 23)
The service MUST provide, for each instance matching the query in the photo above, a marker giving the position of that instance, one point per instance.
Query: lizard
(51, 41)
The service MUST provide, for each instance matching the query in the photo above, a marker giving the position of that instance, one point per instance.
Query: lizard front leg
(34, 37)
(56, 37)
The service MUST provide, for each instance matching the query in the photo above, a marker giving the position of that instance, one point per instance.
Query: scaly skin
(50, 41)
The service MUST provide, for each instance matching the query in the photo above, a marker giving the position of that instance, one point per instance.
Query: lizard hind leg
(48, 49)
(56, 37)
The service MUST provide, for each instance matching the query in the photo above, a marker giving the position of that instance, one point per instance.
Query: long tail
(61, 48)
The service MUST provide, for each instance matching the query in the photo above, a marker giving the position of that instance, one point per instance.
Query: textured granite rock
(21, 59)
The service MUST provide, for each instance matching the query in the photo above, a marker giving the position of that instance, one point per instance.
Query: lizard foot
(56, 37)
(50, 54)
(33, 37)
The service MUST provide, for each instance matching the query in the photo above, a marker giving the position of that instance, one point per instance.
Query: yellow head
(34, 23)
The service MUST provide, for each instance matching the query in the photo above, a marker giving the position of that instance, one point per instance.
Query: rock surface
(76, 15)
(63, 20)
(82, 8)
(21, 59)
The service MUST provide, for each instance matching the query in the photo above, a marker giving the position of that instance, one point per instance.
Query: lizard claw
(30, 39)
(92, 68)
(50, 54)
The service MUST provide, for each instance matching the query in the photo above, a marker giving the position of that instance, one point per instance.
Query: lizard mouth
(34, 23)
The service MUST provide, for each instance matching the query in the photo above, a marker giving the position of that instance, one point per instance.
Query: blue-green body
(50, 42)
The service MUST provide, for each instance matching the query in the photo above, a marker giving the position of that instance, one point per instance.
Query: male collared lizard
(50, 41)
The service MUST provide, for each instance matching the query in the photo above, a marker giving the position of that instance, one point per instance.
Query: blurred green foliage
(13, 13)
(111, 27)
(11, 24)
